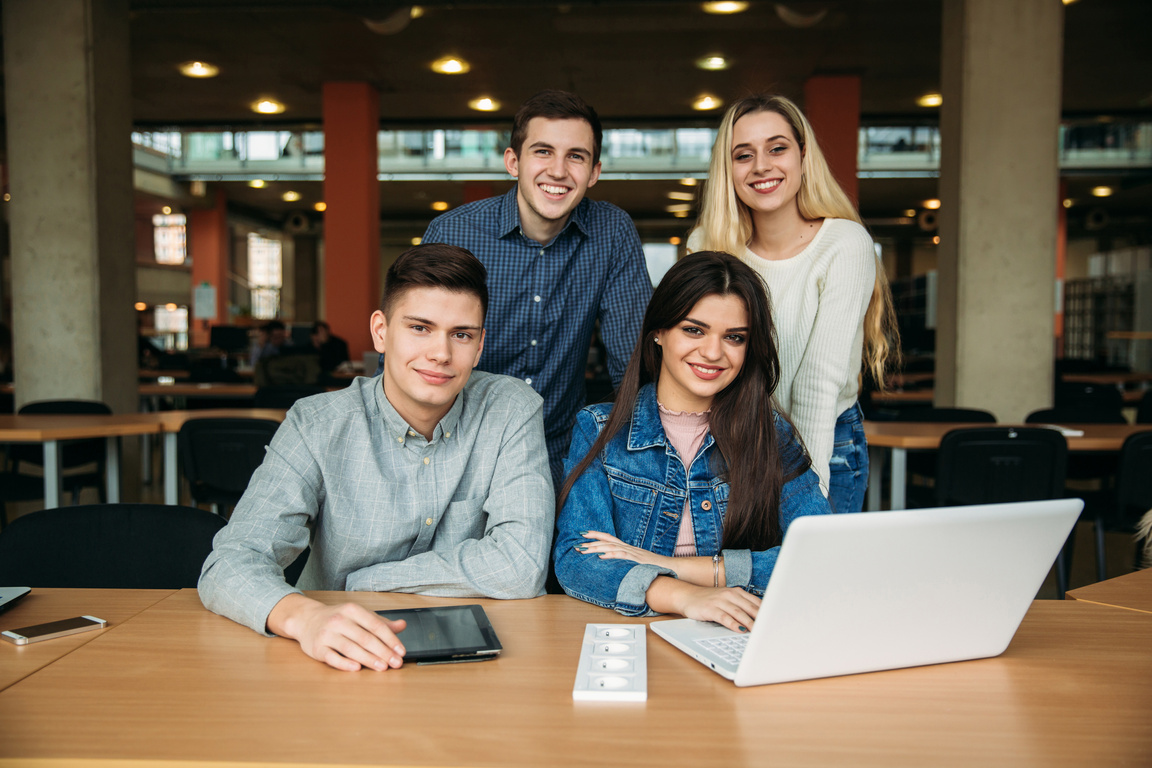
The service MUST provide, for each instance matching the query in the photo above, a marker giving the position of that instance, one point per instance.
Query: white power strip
(613, 663)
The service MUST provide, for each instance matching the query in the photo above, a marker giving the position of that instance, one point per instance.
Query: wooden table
(1132, 592)
(115, 606)
(900, 436)
(194, 389)
(178, 683)
(50, 430)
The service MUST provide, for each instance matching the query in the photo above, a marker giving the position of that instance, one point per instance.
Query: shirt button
(447, 434)
(536, 299)
(541, 251)
(399, 439)
(705, 505)
(428, 521)
(527, 381)
(427, 460)
(411, 433)
(533, 342)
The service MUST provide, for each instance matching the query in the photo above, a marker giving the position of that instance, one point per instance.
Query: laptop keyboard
(730, 649)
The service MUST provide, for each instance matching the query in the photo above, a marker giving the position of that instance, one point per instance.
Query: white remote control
(613, 663)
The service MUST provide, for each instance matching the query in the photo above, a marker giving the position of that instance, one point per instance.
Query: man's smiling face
(554, 169)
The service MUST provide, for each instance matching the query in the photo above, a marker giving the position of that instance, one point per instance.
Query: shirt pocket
(720, 490)
(632, 506)
(463, 519)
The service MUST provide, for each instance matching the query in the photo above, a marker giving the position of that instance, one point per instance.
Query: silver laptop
(883, 590)
(9, 596)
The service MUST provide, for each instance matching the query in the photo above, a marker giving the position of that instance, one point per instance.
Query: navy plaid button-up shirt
(544, 300)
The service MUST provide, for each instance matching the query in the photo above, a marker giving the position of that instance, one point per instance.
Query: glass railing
(892, 150)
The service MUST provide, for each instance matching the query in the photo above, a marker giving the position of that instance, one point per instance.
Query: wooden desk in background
(179, 683)
(51, 429)
(900, 436)
(1132, 591)
(115, 606)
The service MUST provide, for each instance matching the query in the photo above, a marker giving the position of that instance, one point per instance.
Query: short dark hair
(316, 326)
(555, 105)
(435, 265)
(273, 325)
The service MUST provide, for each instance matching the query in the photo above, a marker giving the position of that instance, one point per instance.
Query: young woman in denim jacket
(677, 496)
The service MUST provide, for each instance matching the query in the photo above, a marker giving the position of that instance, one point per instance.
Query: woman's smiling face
(703, 353)
(767, 162)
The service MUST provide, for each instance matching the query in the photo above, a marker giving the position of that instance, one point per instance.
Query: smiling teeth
(705, 370)
(764, 185)
(553, 190)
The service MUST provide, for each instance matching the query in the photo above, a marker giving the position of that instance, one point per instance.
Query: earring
(656, 339)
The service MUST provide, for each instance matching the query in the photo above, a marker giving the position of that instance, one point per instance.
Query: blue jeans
(848, 467)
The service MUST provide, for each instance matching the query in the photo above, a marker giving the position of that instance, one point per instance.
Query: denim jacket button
(705, 505)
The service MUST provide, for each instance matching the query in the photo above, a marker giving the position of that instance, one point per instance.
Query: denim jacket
(635, 490)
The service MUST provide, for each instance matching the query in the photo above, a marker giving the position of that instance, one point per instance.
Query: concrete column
(352, 218)
(832, 105)
(998, 179)
(209, 245)
(67, 92)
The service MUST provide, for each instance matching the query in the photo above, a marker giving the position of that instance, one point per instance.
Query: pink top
(686, 432)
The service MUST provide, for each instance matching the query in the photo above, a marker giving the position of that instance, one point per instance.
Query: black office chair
(988, 465)
(1144, 409)
(1133, 496)
(285, 395)
(73, 453)
(287, 369)
(220, 455)
(922, 463)
(108, 546)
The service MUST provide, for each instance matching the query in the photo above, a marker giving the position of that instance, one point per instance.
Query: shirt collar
(510, 216)
(396, 427)
(646, 430)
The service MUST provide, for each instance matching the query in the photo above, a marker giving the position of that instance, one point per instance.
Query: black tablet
(446, 634)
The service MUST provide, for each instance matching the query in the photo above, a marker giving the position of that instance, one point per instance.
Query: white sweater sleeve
(832, 354)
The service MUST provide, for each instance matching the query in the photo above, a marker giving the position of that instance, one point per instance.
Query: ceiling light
(681, 195)
(706, 102)
(674, 240)
(321, 206)
(932, 204)
(198, 69)
(688, 182)
(680, 214)
(1101, 191)
(170, 307)
(290, 196)
(936, 240)
(722, 8)
(713, 63)
(1069, 2)
(1067, 202)
(267, 107)
(257, 183)
(7, 197)
(416, 241)
(930, 100)
(678, 208)
(439, 205)
(140, 306)
(910, 213)
(484, 104)
(416, 11)
(166, 210)
(450, 65)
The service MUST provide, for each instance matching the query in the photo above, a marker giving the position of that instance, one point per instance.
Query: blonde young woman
(771, 199)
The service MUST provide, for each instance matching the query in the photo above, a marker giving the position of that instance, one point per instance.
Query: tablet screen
(445, 632)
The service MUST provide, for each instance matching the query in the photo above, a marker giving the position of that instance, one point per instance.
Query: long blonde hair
(725, 223)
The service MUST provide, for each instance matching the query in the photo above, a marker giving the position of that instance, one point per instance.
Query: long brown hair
(726, 223)
(742, 417)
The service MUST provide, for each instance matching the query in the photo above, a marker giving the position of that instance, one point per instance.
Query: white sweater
(819, 297)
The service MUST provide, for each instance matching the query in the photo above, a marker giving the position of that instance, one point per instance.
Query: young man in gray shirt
(429, 478)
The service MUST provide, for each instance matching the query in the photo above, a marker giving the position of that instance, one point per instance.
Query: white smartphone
(38, 632)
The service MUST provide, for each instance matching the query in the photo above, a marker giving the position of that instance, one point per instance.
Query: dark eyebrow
(741, 329)
(424, 321)
(766, 141)
(546, 145)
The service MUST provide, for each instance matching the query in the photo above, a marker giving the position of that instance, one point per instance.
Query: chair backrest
(74, 453)
(1088, 397)
(108, 546)
(1133, 488)
(287, 369)
(284, 396)
(959, 415)
(1144, 410)
(220, 455)
(984, 465)
(1076, 416)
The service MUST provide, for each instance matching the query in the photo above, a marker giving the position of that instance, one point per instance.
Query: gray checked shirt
(467, 514)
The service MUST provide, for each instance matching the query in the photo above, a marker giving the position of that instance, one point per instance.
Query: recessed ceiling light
(290, 196)
(1068, 202)
(140, 306)
(198, 69)
(450, 65)
(416, 11)
(936, 240)
(680, 214)
(688, 181)
(1101, 191)
(678, 208)
(166, 210)
(170, 307)
(681, 195)
(267, 107)
(713, 63)
(910, 213)
(706, 102)
(722, 8)
(674, 240)
(484, 104)
(930, 100)
(439, 205)
(321, 206)
(1069, 2)
(257, 183)
(932, 204)
(7, 197)
(416, 241)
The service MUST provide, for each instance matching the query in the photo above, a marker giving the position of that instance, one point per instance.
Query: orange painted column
(832, 105)
(478, 190)
(208, 245)
(352, 218)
